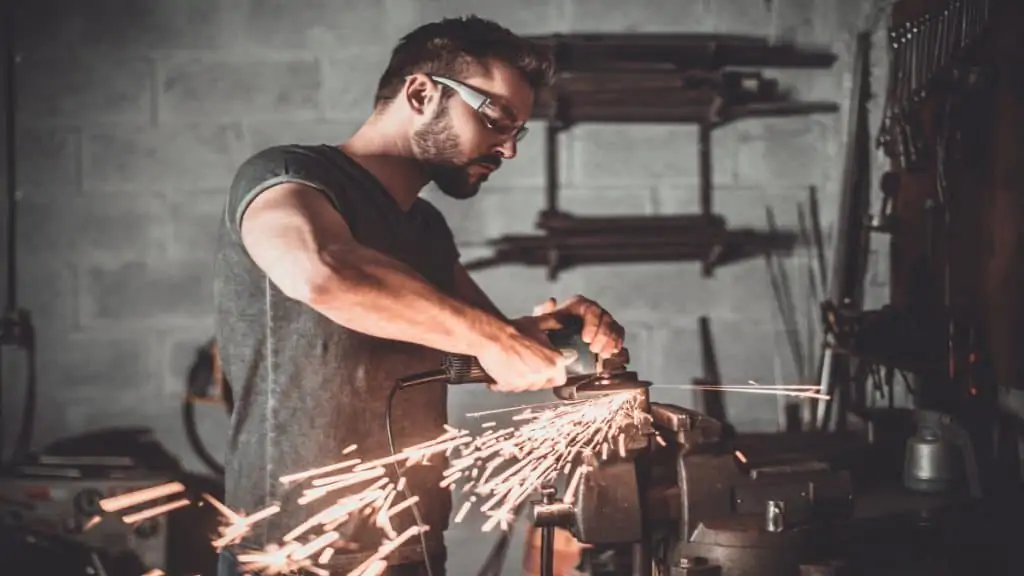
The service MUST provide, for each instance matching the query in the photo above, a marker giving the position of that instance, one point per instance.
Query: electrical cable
(203, 377)
(433, 376)
(188, 415)
(496, 558)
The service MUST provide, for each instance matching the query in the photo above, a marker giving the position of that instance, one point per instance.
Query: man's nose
(507, 148)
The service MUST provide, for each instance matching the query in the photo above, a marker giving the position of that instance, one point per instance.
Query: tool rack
(639, 78)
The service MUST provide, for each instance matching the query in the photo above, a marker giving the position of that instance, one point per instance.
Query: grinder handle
(463, 369)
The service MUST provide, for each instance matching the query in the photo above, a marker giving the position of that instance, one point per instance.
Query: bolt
(548, 494)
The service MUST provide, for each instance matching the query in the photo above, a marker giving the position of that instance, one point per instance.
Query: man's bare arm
(470, 292)
(305, 247)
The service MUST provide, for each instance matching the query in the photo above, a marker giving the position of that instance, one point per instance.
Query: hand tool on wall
(922, 52)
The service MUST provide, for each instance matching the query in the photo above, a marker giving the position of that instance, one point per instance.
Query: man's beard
(438, 148)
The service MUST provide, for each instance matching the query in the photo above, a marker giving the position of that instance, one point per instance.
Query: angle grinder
(587, 374)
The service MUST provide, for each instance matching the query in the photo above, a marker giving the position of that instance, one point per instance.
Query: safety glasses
(493, 117)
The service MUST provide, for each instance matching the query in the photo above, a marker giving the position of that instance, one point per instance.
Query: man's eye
(501, 125)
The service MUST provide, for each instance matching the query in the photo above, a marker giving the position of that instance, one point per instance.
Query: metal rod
(705, 169)
(10, 61)
(547, 551)
(551, 165)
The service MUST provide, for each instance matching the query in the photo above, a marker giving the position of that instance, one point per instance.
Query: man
(334, 279)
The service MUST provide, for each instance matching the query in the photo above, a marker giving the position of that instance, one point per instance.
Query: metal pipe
(547, 551)
(551, 164)
(10, 61)
(704, 168)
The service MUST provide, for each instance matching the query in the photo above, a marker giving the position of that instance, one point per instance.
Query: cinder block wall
(134, 115)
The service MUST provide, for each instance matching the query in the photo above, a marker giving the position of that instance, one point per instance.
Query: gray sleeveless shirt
(304, 387)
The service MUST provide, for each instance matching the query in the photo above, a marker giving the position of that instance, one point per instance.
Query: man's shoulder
(285, 152)
(301, 161)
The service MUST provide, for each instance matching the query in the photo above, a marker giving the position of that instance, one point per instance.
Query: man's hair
(452, 47)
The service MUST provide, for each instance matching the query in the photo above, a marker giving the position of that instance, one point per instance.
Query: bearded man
(334, 279)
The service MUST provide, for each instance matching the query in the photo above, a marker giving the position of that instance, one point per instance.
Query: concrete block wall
(134, 115)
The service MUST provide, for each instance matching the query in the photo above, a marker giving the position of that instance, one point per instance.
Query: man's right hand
(520, 363)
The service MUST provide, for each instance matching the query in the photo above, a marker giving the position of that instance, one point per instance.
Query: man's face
(458, 145)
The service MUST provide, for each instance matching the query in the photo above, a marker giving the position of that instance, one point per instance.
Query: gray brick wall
(134, 116)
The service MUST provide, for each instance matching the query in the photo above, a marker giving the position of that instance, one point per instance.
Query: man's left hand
(600, 330)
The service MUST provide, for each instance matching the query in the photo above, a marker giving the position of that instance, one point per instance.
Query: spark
(319, 471)
(155, 511)
(498, 469)
(325, 556)
(92, 522)
(117, 503)
(508, 465)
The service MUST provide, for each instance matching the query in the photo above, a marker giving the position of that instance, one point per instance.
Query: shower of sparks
(503, 467)
(497, 470)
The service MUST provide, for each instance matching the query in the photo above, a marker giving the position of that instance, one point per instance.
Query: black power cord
(202, 381)
(432, 377)
(496, 558)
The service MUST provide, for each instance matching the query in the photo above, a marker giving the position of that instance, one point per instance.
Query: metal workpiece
(688, 428)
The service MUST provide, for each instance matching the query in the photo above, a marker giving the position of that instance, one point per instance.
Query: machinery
(687, 499)
(682, 502)
(50, 516)
(60, 497)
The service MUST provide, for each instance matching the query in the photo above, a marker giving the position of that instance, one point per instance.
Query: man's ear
(419, 93)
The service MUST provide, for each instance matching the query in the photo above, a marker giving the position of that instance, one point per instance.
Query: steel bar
(702, 51)
(570, 223)
(577, 113)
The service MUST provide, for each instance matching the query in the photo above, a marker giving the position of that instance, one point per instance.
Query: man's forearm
(470, 292)
(371, 293)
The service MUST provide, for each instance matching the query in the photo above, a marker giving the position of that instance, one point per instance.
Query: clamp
(550, 513)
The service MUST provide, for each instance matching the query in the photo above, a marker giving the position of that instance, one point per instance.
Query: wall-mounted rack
(635, 78)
